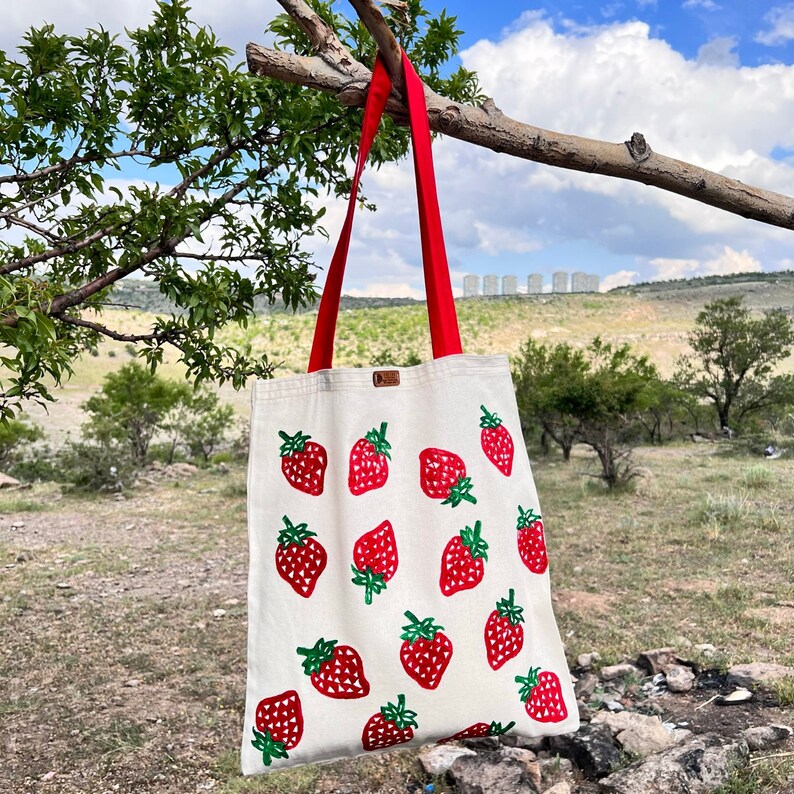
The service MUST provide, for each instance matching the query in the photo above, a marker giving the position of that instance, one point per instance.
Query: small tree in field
(734, 359)
(131, 406)
(594, 397)
(200, 422)
(14, 434)
(545, 379)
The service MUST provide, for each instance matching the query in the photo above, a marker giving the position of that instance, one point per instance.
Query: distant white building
(559, 282)
(535, 284)
(471, 286)
(579, 282)
(509, 285)
(490, 285)
(593, 283)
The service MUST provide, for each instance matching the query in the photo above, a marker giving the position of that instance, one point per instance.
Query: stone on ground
(766, 736)
(590, 748)
(489, 773)
(758, 673)
(679, 678)
(638, 734)
(438, 758)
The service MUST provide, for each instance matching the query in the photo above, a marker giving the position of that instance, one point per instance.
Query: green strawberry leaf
(371, 582)
(472, 540)
(508, 609)
(526, 518)
(293, 535)
(269, 748)
(317, 656)
(528, 683)
(488, 419)
(459, 491)
(378, 440)
(419, 629)
(399, 714)
(292, 444)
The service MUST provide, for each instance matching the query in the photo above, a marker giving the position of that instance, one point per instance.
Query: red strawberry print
(375, 560)
(442, 475)
(531, 541)
(542, 695)
(496, 441)
(463, 561)
(299, 558)
(335, 670)
(426, 652)
(279, 725)
(478, 731)
(393, 724)
(369, 462)
(303, 462)
(504, 634)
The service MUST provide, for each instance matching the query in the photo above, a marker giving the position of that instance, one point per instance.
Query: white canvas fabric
(332, 676)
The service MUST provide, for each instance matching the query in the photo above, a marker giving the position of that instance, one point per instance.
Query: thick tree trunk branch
(337, 72)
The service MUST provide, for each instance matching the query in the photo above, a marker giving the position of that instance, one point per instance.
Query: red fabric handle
(443, 319)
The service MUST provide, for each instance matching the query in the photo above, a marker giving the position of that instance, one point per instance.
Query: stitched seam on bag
(350, 380)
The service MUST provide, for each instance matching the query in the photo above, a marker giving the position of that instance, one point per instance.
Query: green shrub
(92, 466)
(16, 436)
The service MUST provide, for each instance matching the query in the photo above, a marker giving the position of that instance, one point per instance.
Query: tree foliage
(15, 435)
(131, 407)
(594, 396)
(227, 167)
(734, 359)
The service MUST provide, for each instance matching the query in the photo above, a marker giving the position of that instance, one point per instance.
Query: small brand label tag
(386, 377)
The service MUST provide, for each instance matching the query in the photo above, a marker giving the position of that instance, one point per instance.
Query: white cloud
(387, 290)
(234, 25)
(706, 5)
(726, 261)
(781, 26)
(720, 51)
(496, 239)
(619, 279)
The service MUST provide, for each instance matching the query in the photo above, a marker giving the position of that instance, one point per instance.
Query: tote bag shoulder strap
(444, 332)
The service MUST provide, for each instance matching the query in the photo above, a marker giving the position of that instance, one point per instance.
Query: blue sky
(706, 81)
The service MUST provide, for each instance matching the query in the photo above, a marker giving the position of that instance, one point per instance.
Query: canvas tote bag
(398, 590)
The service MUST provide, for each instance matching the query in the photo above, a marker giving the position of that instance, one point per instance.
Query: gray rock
(585, 686)
(586, 659)
(698, 766)
(556, 765)
(489, 773)
(657, 659)
(534, 743)
(437, 759)
(614, 671)
(590, 748)
(638, 734)
(614, 705)
(528, 759)
(758, 673)
(559, 788)
(765, 736)
(7, 481)
(679, 678)
(706, 648)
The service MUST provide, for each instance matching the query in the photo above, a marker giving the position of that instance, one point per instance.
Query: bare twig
(158, 336)
(337, 72)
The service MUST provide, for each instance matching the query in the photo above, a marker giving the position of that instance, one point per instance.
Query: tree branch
(158, 336)
(336, 71)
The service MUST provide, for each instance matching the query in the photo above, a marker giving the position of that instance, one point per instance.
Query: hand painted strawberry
(442, 475)
(279, 725)
(393, 724)
(478, 731)
(463, 561)
(375, 560)
(531, 541)
(299, 558)
(335, 670)
(303, 462)
(542, 695)
(504, 634)
(426, 652)
(496, 441)
(369, 462)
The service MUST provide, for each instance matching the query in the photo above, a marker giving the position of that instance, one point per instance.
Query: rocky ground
(659, 724)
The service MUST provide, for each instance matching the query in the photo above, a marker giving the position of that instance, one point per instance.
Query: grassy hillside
(654, 321)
